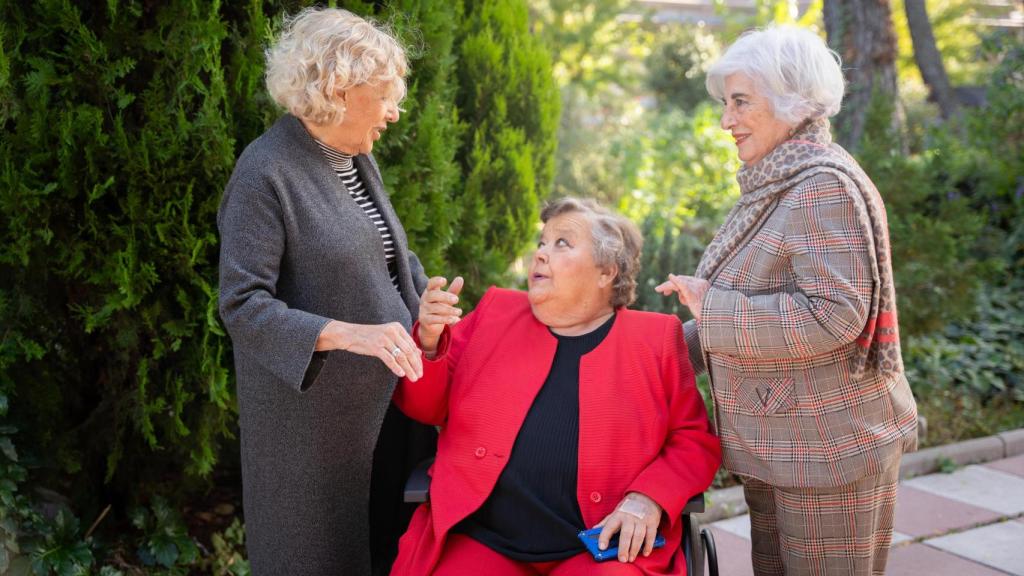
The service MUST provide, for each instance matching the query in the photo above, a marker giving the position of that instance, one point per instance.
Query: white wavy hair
(792, 67)
(322, 51)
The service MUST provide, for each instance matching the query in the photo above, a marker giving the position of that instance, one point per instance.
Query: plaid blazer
(794, 272)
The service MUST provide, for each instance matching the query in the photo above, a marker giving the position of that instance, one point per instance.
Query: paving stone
(738, 525)
(899, 538)
(996, 545)
(919, 559)
(978, 486)
(1013, 465)
(963, 453)
(1013, 441)
(920, 513)
(733, 553)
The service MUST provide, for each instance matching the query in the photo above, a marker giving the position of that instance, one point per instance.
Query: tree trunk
(861, 32)
(928, 59)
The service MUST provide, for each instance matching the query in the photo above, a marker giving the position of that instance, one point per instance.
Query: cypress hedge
(119, 126)
(510, 103)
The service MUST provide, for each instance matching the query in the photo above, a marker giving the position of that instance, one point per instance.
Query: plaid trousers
(838, 531)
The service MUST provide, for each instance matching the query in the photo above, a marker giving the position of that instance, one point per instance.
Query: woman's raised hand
(636, 519)
(691, 291)
(437, 310)
(390, 342)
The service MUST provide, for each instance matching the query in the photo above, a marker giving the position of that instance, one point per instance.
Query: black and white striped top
(346, 170)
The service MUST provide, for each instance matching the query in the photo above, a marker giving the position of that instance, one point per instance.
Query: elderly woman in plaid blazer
(795, 319)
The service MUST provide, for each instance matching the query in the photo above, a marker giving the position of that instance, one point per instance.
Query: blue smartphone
(589, 539)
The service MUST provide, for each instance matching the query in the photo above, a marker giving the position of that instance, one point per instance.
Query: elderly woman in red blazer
(560, 410)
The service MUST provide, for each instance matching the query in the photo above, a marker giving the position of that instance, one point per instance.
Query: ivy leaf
(164, 550)
(7, 447)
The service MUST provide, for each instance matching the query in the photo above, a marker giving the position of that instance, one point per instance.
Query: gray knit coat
(296, 252)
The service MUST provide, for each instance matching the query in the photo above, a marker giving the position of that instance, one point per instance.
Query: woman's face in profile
(748, 116)
(369, 108)
(563, 275)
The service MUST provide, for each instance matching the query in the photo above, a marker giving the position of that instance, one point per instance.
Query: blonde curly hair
(323, 51)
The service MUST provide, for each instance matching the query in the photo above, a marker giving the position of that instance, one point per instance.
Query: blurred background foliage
(121, 122)
(646, 140)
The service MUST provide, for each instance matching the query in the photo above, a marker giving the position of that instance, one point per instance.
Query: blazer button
(480, 452)
(595, 497)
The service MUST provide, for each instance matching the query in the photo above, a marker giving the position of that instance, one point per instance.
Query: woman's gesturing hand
(390, 342)
(437, 310)
(691, 291)
(636, 520)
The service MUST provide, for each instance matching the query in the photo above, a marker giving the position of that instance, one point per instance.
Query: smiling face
(567, 290)
(369, 108)
(749, 117)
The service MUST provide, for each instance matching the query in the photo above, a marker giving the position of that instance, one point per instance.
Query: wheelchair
(698, 544)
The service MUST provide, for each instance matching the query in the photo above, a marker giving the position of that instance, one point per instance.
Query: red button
(595, 497)
(480, 452)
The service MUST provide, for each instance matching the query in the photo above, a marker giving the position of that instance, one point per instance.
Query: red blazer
(643, 425)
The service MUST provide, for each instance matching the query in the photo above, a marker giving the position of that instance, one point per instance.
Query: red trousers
(462, 555)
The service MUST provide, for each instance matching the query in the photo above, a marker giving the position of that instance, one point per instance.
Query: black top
(532, 515)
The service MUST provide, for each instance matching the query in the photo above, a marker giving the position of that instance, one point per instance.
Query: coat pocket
(765, 396)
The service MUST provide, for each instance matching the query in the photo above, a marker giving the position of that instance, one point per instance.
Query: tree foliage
(957, 36)
(955, 209)
(117, 139)
(509, 100)
(682, 191)
(418, 156)
(677, 65)
(590, 45)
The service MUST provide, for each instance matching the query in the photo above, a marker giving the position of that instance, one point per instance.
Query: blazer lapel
(524, 350)
(370, 174)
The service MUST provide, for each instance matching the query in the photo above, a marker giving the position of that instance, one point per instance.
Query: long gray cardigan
(296, 252)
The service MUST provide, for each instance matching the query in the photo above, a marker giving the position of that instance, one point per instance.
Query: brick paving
(966, 523)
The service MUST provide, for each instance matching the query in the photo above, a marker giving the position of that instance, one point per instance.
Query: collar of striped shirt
(339, 161)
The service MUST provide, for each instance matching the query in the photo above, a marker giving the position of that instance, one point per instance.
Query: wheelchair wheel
(708, 544)
(693, 548)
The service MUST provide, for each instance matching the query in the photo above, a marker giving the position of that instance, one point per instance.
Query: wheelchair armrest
(417, 487)
(695, 505)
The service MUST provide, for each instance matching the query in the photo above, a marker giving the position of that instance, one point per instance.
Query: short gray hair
(322, 51)
(792, 67)
(617, 243)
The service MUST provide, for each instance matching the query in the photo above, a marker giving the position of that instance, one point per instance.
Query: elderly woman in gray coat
(317, 290)
(795, 319)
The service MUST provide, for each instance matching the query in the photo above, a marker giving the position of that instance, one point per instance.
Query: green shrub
(933, 230)
(510, 102)
(993, 175)
(969, 378)
(418, 156)
(984, 356)
(115, 146)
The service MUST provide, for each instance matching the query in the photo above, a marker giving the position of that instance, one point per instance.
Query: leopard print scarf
(807, 153)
